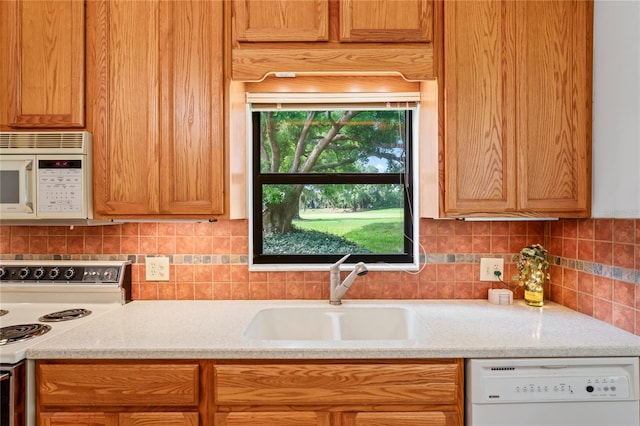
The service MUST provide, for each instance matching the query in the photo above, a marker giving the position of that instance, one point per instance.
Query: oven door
(12, 395)
(17, 186)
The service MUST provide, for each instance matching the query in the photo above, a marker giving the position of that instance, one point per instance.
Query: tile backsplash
(595, 262)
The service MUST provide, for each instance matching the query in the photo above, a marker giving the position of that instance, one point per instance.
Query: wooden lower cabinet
(311, 418)
(122, 419)
(358, 393)
(120, 393)
(250, 393)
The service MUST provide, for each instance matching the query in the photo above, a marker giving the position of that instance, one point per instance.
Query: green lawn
(380, 231)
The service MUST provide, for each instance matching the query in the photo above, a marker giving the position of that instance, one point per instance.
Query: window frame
(409, 260)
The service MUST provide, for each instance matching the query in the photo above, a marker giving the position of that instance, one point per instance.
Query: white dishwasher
(552, 392)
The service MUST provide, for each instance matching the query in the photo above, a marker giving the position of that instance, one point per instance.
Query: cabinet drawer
(278, 418)
(278, 384)
(118, 384)
(432, 418)
(115, 419)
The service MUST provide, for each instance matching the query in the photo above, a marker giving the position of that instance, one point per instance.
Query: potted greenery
(532, 273)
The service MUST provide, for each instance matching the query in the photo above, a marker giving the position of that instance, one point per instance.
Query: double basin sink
(335, 323)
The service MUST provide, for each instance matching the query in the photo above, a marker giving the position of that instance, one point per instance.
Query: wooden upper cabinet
(282, 20)
(517, 107)
(554, 91)
(43, 76)
(386, 21)
(331, 37)
(155, 107)
(480, 111)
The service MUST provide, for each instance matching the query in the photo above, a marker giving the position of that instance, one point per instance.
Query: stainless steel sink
(335, 323)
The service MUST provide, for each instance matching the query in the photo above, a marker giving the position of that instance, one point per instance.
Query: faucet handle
(336, 266)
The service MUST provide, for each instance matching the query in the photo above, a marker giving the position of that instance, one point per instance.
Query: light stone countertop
(452, 328)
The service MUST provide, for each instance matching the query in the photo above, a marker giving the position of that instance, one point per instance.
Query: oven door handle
(4, 376)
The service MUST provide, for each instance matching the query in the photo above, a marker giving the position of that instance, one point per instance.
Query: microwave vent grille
(45, 141)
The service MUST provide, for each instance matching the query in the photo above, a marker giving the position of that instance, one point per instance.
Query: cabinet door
(122, 419)
(156, 107)
(281, 20)
(518, 108)
(98, 384)
(123, 98)
(386, 21)
(283, 418)
(480, 162)
(158, 419)
(554, 69)
(78, 419)
(191, 128)
(431, 418)
(336, 384)
(43, 76)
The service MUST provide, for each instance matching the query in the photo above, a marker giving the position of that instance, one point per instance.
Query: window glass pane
(333, 218)
(336, 141)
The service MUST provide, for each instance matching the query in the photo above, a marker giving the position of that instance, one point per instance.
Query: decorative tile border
(626, 275)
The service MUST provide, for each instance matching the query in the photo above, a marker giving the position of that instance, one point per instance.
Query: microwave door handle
(26, 173)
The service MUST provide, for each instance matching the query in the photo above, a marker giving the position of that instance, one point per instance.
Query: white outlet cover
(157, 268)
(488, 266)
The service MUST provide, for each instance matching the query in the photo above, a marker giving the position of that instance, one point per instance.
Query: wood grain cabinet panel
(553, 98)
(480, 111)
(386, 21)
(156, 108)
(158, 419)
(78, 419)
(119, 393)
(428, 393)
(280, 418)
(281, 20)
(115, 419)
(96, 384)
(517, 107)
(331, 36)
(435, 418)
(336, 383)
(43, 77)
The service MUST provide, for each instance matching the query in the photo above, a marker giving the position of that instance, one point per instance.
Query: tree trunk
(279, 218)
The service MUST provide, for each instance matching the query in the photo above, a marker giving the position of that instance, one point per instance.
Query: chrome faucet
(337, 289)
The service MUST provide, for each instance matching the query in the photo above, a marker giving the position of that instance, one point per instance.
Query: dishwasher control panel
(559, 388)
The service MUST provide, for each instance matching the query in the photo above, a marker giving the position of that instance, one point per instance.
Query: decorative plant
(532, 265)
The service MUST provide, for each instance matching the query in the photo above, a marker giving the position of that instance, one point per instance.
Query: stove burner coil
(66, 315)
(20, 332)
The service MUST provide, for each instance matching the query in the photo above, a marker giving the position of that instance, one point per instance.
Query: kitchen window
(331, 176)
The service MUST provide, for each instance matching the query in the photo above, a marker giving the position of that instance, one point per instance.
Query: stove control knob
(3, 273)
(69, 273)
(24, 273)
(38, 273)
(54, 273)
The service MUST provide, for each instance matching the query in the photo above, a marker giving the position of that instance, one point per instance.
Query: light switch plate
(157, 268)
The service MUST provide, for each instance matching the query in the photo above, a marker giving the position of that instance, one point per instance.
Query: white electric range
(39, 300)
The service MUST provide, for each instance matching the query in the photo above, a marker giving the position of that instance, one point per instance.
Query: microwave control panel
(60, 186)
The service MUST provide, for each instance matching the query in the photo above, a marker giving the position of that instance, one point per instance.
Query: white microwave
(45, 176)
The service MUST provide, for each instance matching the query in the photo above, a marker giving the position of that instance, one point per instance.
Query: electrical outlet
(157, 268)
(488, 267)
